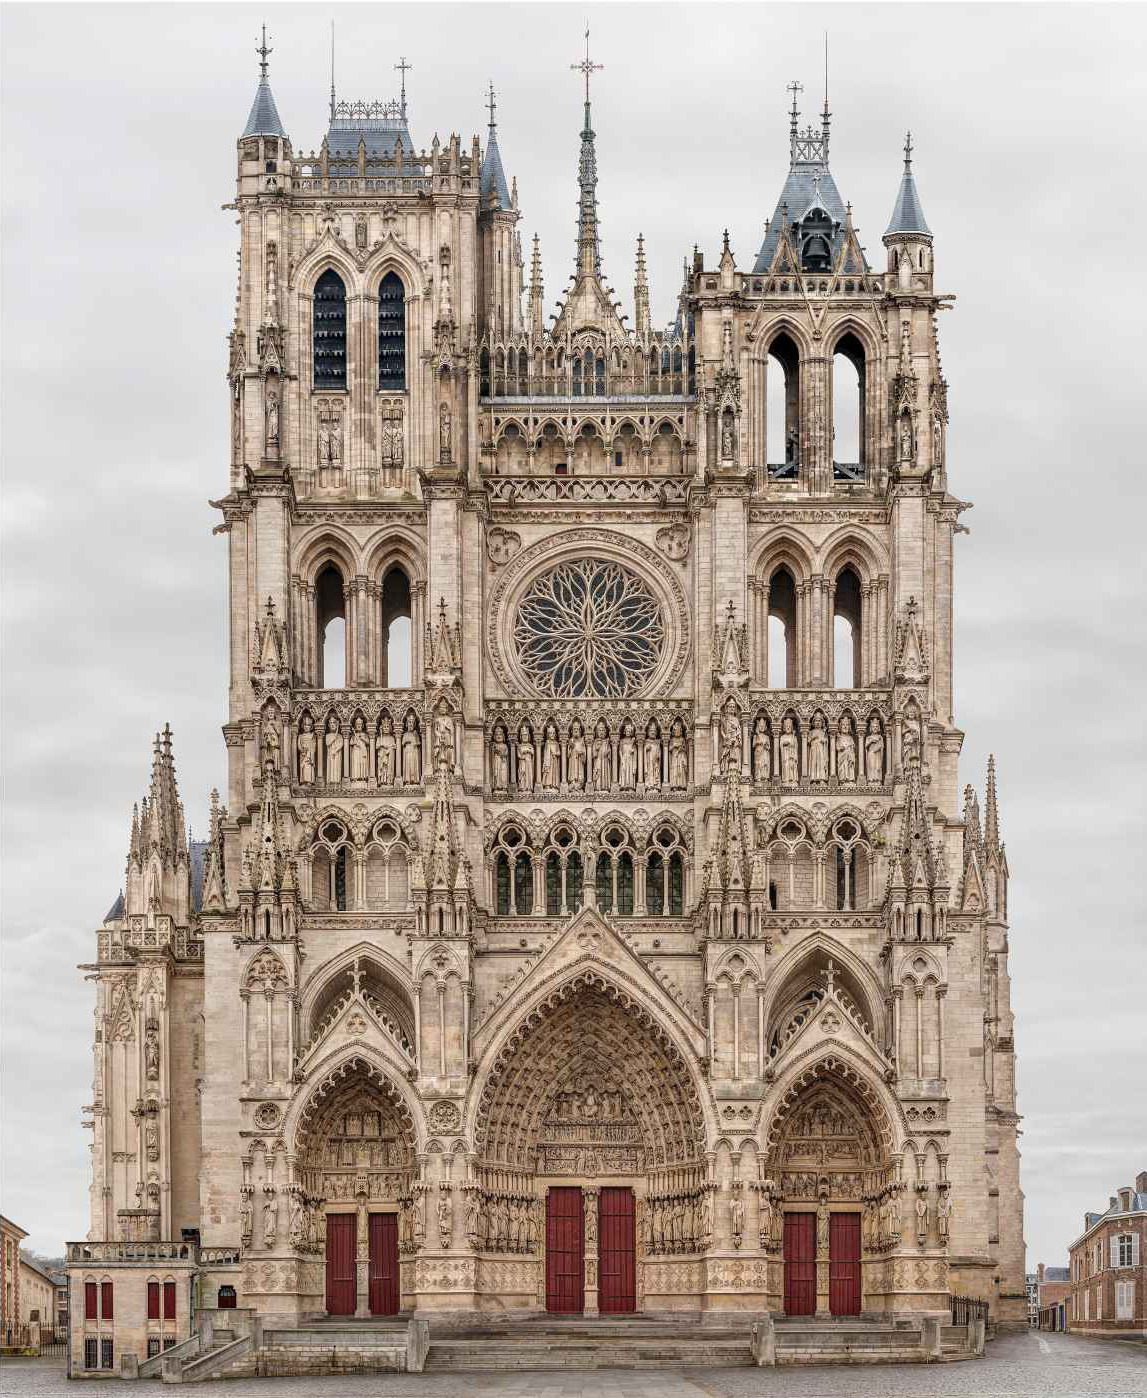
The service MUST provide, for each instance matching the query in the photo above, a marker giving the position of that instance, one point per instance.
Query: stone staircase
(576, 1343)
(324, 1347)
(857, 1341)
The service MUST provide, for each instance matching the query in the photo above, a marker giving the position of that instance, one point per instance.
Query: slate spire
(908, 216)
(264, 118)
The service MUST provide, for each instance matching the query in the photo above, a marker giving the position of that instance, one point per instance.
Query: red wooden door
(342, 1230)
(383, 1274)
(565, 1250)
(844, 1264)
(800, 1264)
(617, 1249)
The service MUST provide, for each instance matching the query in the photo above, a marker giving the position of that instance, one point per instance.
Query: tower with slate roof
(591, 918)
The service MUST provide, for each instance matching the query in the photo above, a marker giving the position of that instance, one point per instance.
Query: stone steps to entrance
(590, 1345)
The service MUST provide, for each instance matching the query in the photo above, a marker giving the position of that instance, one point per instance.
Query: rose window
(589, 629)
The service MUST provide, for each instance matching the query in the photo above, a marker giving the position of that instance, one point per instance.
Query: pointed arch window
(392, 333)
(329, 342)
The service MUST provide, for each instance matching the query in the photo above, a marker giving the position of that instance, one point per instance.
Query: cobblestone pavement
(1017, 1366)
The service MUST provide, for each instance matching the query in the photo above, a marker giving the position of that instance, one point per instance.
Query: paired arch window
(665, 875)
(513, 873)
(330, 868)
(615, 873)
(392, 333)
(782, 408)
(564, 873)
(329, 331)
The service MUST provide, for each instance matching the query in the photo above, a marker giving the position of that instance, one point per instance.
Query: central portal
(565, 1250)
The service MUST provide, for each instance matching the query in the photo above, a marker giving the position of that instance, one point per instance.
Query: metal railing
(966, 1309)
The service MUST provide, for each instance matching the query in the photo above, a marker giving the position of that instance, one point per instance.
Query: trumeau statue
(606, 865)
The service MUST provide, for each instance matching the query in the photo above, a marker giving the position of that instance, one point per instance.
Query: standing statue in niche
(737, 1215)
(905, 438)
(323, 442)
(789, 753)
(874, 752)
(272, 419)
(762, 752)
(359, 751)
(551, 759)
(445, 1211)
(937, 442)
(822, 1227)
(944, 1215)
(846, 751)
(651, 756)
(296, 1225)
(499, 759)
(151, 1053)
(271, 742)
(602, 758)
(308, 751)
(386, 752)
(627, 758)
(411, 752)
(334, 742)
(270, 1219)
(730, 738)
(818, 750)
(336, 440)
(527, 774)
(678, 757)
(921, 1219)
(443, 740)
(444, 434)
(576, 759)
(727, 441)
(911, 745)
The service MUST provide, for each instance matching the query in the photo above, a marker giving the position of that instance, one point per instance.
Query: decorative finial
(908, 152)
(491, 104)
(332, 70)
(403, 67)
(586, 66)
(794, 87)
(263, 52)
(725, 241)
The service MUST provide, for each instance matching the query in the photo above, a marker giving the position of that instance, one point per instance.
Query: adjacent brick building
(1053, 1296)
(11, 1237)
(1108, 1266)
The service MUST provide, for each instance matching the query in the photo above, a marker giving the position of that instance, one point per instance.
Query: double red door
(342, 1233)
(800, 1264)
(565, 1250)
(844, 1264)
(617, 1248)
(383, 1267)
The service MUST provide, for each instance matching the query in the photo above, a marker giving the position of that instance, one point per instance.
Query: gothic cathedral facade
(593, 921)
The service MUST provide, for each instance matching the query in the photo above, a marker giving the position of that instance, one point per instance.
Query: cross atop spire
(586, 66)
(908, 152)
(263, 52)
(491, 104)
(403, 67)
(794, 87)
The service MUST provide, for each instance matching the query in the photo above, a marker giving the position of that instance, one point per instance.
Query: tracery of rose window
(589, 629)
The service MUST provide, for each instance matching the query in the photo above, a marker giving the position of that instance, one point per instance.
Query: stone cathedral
(593, 921)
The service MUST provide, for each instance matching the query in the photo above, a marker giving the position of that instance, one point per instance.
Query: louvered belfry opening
(330, 331)
(392, 333)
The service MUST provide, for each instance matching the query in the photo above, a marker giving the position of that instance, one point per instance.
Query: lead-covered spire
(588, 248)
(492, 178)
(264, 118)
(907, 215)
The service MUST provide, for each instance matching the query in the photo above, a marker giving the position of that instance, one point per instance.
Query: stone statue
(789, 753)
(730, 755)
(334, 742)
(551, 759)
(272, 419)
(444, 740)
(295, 1225)
(846, 751)
(602, 758)
(411, 752)
(678, 757)
(905, 438)
(944, 1215)
(527, 765)
(627, 758)
(911, 745)
(499, 759)
(151, 1140)
(323, 442)
(308, 751)
(271, 743)
(705, 1226)
(336, 441)
(874, 752)
(737, 1217)
(651, 756)
(762, 752)
(386, 752)
(246, 1218)
(818, 750)
(921, 1217)
(270, 1219)
(590, 1222)
(937, 442)
(822, 1227)
(766, 1211)
(445, 1211)
(151, 1053)
(727, 442)
(444, 433)
(359, 751)
(472, 1220)
(576, 757)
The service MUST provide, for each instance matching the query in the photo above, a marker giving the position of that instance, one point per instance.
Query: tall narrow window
(169, 1300)
(331, 604)
(330, 331)
(782, 630)
(91, 1301)
(107, 1300)
(848, 409)
(392, 332)
(153, 1300)
(782, 408)
(396, 627)
(846, 632)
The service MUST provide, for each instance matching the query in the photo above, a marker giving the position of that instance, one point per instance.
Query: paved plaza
(1018, 1366)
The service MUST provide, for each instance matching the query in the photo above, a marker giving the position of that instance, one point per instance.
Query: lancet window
(332, 864)
(329, 331)
(782, 408)
(387, 869)
(848, 416)
(564, 872)
(615, 882)
(330, 600)
(392, 333)
(513, 873)
(665, 874)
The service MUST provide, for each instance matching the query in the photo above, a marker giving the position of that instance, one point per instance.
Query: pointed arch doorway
(591, 1122)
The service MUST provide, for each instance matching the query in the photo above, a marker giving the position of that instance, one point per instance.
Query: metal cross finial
(493, 106)
(908, 151)
(586, 66)
(794, 87)
(403, 67)
(263, 51)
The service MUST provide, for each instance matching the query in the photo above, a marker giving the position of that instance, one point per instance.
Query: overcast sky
(119, 128)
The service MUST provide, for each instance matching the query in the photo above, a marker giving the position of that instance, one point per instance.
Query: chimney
(1112, 1204)
(1039, 1274)
(1141, 1182)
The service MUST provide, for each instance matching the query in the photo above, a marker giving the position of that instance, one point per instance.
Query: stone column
(590, 1202)
(362, 1262)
